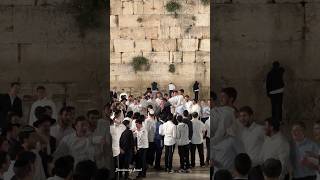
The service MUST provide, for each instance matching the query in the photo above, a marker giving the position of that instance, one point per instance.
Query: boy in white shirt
(197, 139)
(168, 130)
(142, 146)
(183, 144)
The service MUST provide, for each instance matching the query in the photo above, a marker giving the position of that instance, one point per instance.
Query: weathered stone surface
(128, 7)
(123, 45)
(164, 45)
(129, 21)
(189, 57)
(188, 44)
(175, 32)
(126, 58)
(143, 45)
(158, 57)
(204, 45)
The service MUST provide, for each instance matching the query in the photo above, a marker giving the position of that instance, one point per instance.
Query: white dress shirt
(168, 130)
(198, 131)
(205, 112)
(253, 139)
(195, 108)
(171, 87)
(150, 126)
(182, 134)
(188, 106)
(116, 131)
(10, 173)
(222, 118)
(142, 138)
(81, 148)
(277, 147)
(224, 153)
(55, 178)
(42, 102)
(135, 107)
(57, 132)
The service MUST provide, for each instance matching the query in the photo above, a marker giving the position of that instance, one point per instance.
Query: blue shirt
(298, 152)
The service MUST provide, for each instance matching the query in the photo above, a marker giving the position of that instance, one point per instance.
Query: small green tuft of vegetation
(173, 6)
(205, 2)
(172, 68)
(140, 63)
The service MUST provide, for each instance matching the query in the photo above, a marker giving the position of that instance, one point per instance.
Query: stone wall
(146, 28)
(250, 34)
(40, 45)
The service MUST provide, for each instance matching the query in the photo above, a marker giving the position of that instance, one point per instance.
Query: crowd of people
(56, 144)
(241, 148)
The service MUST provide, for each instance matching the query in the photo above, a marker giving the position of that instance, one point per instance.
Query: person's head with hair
(276, 64)
(316, 130)
(44, 124)
(129, 114)
(24, 166)
(185, 113)
(41, 92)
(136, 115)
(242, 165)
(272, 169)
(246, 116)
(139, 123)
(81, 126)
(12, 131)
(228, 96)
(63, 167)
(65, 117)
(170, 117)
(28, 137)
(72, 111)
(4, 162)
(126, 123)
(195, 115)
(222, 175)
(195, 101)
(86, 169)
(93, 117)
(102, 174)
(272, 126)
(179, 118)
(298, 131)
(181, 91)
(13, 118)
(4, 144)
(187, 98)
(15, 88)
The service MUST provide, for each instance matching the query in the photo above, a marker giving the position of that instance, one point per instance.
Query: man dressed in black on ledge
(275, 89)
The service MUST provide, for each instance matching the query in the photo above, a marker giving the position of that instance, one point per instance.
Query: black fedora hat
(42, 119)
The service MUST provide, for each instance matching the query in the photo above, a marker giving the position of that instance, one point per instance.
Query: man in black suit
(10, 103)
(275, 89)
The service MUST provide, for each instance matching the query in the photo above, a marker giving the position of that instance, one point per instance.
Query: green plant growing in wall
(205, 2)
(139, 20)
(194, 18)
(172, 68)
(173, 6)
(90, 14)
(140, 63)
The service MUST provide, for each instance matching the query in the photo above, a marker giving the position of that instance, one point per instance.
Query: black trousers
(193, 154)
(142, 160)
(170, 93)
(196, 95)
(306, 178)
(151, 153)
(124, 161)
(276, 105)
(116, 165)
(208, 149)
(184, 156)
(204, 119)
(168, 157)
(158, 150)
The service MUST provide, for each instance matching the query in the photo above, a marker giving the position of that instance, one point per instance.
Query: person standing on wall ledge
(154, 88)
(275, 89)
(196, 90)
(171, 87)
(10, 102)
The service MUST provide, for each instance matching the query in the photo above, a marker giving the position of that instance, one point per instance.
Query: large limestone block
(164, 32)
(176, 57)
(313, 21)
(187, 44)
(202, 56)
(113, 21)
(196, 32)
(129, 21)
(158, 57)
(151, 20)
(115, 7)
(151, 32)
(175, 32)
(202, 19)
(128, 7)
(204, 45)
(189, 57)
(164, 45)
(153, 7)
(168, 20)
(132, 33)
(138, 7)
(115, 58)
(143, 45)
(123, 45)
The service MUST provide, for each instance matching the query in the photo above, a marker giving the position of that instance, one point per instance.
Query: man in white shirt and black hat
(169, 131)
(42, 101)
(142, 146)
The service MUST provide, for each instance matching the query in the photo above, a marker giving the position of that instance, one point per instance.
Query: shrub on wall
(90, 14)
(172, 68)
(140, 63)
(173, 6)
